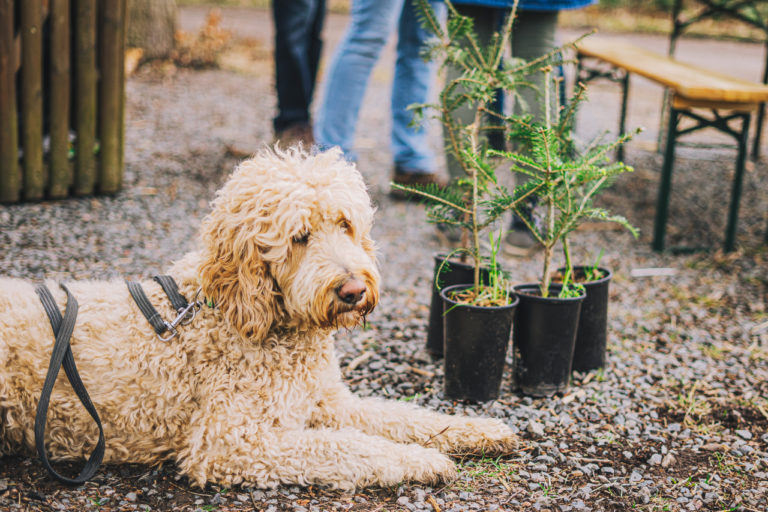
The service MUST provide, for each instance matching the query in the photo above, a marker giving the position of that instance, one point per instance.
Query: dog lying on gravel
(250, 392)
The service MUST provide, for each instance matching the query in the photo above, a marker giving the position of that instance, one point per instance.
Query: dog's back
(114, 352)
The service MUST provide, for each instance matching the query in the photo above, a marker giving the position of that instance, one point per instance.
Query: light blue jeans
(372, 22)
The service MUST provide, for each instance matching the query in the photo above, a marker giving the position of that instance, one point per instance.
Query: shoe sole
(519, 252)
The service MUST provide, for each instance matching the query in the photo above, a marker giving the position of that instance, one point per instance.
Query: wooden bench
(693, 90)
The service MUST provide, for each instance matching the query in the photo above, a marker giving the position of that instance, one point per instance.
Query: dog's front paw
(476, 436)
(493, 437)
(429, 466)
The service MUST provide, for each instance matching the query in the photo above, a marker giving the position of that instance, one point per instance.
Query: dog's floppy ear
(235, 276)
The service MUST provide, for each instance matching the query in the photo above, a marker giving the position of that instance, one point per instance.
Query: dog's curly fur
(251, 391)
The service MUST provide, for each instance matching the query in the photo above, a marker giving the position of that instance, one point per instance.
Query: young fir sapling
(471, 203)
(566, 179)
(563, 180)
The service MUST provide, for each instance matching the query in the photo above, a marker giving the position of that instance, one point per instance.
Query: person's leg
(533, 36)
(315, 43)
(485, 23)
(297, 49)
(372, 21)
(413, 82)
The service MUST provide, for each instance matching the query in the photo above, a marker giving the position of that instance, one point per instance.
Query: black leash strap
(171, 289)
(62, 356)
(146, 307)
(186, 311)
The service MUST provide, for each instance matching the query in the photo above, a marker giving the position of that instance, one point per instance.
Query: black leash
(186, 311)
(62, 356)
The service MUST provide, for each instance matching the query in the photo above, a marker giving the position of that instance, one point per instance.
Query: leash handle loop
(62, 356)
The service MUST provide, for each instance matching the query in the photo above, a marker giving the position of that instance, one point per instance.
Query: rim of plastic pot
(441, 256)
(608, 274)
(521, 288)
(446, 290)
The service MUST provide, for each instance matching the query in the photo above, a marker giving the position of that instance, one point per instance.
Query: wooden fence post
(9, 141)
(85, 96)
(110, 100)
(32, 98)
(59, 94)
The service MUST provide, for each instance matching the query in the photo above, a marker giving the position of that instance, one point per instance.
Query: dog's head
(288, 242)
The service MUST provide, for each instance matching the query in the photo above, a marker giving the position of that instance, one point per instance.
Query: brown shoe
(298, 133)
(406, 179)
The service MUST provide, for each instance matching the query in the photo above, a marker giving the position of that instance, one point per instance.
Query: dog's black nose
(352, 291)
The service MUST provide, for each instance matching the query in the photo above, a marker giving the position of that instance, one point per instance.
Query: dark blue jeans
(298, 24)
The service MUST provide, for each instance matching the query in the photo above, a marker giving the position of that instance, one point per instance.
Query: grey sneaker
(448, 233)
(520, 242)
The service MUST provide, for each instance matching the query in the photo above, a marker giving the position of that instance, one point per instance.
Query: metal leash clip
(185, 316)
(192, 308)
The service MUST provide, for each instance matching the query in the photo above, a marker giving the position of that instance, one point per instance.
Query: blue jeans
(372, 21)
(298, 24)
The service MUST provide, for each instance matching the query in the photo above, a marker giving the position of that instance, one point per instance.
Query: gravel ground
(678, 420)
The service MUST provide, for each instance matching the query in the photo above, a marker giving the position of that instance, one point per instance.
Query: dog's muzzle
(351, 292)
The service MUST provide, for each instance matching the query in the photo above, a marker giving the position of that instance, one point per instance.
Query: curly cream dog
(251, 391)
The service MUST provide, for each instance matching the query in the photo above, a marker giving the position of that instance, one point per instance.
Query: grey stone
(131, 496)
(536, 429)
(645, 495)
(744, 434)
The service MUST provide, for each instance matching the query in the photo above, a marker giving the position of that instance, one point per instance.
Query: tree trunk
(151, 25)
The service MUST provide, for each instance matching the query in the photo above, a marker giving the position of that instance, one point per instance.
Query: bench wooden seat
(691, 82)
(692, 88)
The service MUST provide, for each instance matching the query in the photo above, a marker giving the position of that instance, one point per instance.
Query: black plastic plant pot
(476, 344)
(544, 337)
(453, 272)
(589, 353)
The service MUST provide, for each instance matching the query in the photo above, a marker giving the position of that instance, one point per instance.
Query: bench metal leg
(758, 133)
(665, 186)
(623, 117)
(733, 210)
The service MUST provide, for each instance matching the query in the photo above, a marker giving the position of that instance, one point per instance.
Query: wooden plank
(32, 98)
(9, 141)
(85, 96)
(681, 102)
(687, 80)
(59, 92)
(110, 101)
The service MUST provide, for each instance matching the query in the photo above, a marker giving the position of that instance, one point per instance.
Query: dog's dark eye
(301, 238)
(344, 224)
